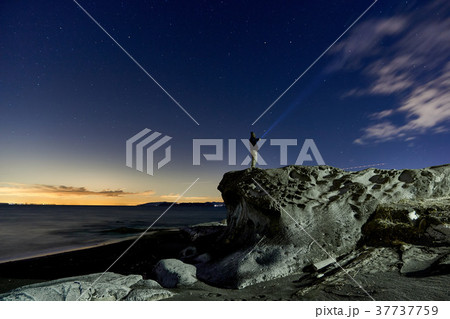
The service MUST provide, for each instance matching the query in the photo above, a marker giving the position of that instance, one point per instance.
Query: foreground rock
(377, 274)
(421, 221)
(109, 286)
(281, 220)
(171, 273)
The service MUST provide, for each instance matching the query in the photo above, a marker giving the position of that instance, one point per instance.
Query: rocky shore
(292, 233)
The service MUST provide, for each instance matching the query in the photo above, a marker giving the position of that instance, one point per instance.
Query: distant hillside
(160, 204)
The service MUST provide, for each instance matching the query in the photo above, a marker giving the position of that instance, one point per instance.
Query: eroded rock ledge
(281, 220)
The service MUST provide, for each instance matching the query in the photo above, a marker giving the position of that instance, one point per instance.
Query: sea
(28, 231)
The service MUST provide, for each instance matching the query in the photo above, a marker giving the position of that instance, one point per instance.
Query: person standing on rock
(253, 148)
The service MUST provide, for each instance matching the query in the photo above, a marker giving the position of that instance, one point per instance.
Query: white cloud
(428, 105)
(392, 75)
(364, 40)
(441, 129)
(60, 190)
(415, 66)
(381, 131)
(426, 108)
(382, 114)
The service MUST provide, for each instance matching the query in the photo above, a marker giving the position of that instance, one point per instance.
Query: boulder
(151, 284)
(188, 252)
(281, 220)
(203, 258)
(145, 294)
(418, 259)
(171, 273)
(109, 286)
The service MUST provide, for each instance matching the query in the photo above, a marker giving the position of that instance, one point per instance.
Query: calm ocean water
(27, 231)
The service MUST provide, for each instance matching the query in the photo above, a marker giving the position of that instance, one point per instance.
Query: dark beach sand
(160, 244)
(139, 259)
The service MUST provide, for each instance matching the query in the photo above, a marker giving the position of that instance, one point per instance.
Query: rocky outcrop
(281, 220)
(424, 221)
(378, 273)
(171, 273)
(109, 286)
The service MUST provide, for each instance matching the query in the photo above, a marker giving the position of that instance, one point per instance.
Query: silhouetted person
(253, 148)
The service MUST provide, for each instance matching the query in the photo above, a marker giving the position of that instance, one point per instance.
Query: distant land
(151, 204)
(205, 204)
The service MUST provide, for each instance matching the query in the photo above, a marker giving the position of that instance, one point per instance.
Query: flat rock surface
(146, 294)
(417, 259)
(366, 274)
(108, 286)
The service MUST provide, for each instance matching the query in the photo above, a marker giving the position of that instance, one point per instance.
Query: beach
(168, 243)
(28, 231)
(140, 259)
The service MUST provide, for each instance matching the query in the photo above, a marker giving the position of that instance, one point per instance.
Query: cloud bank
(407, 55)
(54, 191)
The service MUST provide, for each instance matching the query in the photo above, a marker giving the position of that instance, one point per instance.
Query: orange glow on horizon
(35, 200)
(16, 193)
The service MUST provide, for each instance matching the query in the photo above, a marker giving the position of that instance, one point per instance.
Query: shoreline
(140, 259)
(78, 248)
(155, 245)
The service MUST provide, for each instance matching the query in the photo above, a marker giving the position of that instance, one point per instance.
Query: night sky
(70, 97)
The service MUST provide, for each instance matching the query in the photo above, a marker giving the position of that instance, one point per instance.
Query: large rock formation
(281, 220)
